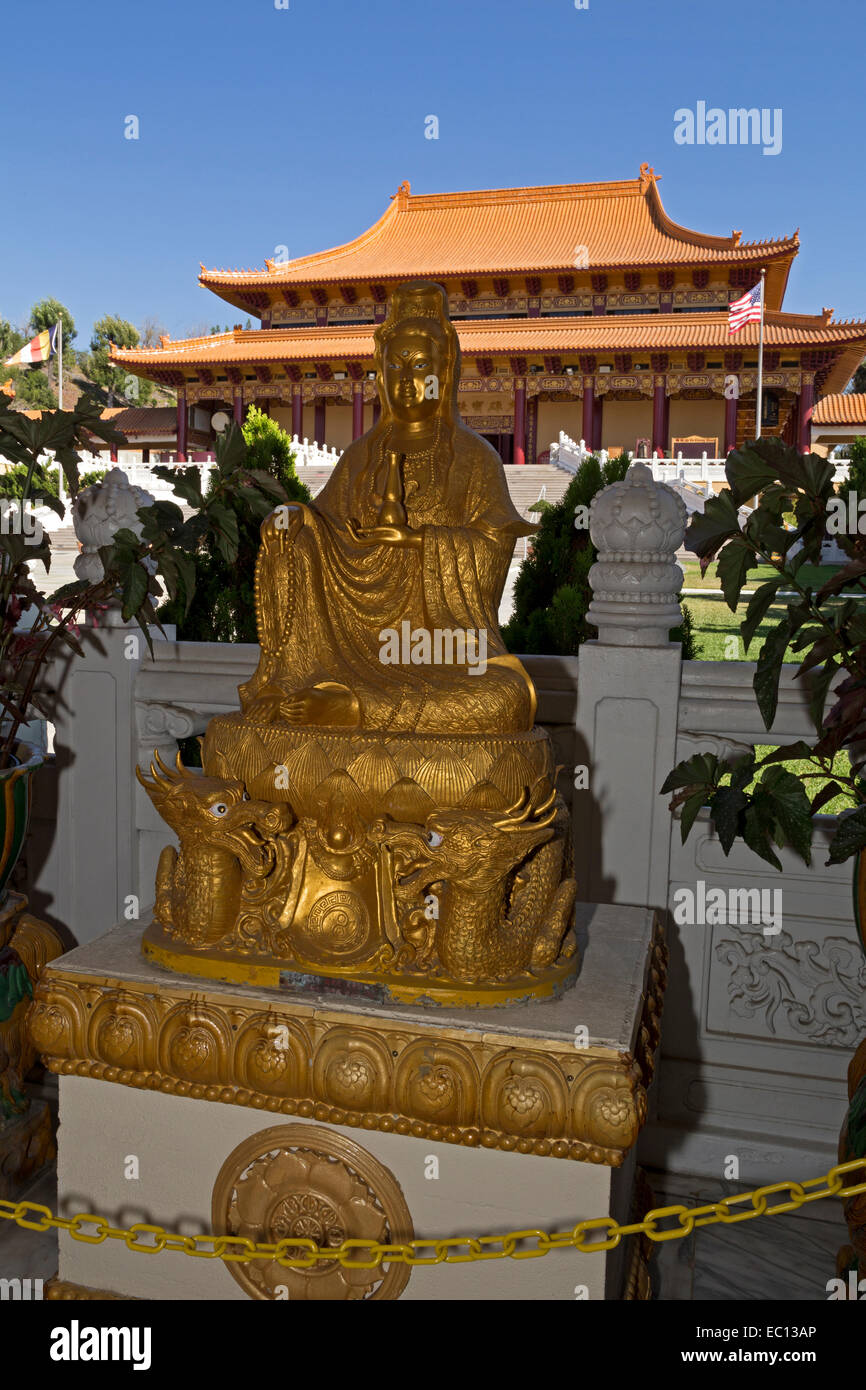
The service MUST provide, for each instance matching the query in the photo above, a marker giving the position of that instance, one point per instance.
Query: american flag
(745, 310)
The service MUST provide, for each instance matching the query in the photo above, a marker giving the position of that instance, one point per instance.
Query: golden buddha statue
(381, 809)
(415, 526)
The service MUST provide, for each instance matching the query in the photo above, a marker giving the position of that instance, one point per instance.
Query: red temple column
(319, 423)
(238, 407)
(357, 411)
(597, 422)
(659, 442)
(297, 413)
(532, 430)
(806, 404)
(112, 453)
(519, 456)
(588, 410)
(731, 405)
(182, 420)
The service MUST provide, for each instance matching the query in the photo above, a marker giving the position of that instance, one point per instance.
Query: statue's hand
(265, 709)
(283, 524)
(383, 535)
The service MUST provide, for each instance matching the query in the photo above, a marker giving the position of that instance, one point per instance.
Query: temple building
(838, 420)
(580, 307)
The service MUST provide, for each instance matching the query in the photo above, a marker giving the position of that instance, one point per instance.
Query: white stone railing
(688, 470)
(569, 454)
(757, 1029)
(309, 454)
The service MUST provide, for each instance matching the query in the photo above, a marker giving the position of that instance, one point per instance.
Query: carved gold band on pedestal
(525, 1095)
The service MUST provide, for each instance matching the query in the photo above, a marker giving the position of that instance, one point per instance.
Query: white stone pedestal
(382, 1121)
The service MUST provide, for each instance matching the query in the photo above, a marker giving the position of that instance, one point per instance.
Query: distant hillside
(31, 393)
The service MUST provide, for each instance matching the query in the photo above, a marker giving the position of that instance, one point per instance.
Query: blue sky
(261, 127)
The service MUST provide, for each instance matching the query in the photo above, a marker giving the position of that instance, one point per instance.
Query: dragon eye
(220, 809)
(433, 838)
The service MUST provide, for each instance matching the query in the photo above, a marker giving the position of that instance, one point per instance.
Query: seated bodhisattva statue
(382, 805)
(415, 526)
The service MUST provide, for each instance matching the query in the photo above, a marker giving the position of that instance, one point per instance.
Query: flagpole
(60, 489)
(760, 362)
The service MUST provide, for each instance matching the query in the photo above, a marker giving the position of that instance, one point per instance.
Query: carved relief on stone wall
(795, 989)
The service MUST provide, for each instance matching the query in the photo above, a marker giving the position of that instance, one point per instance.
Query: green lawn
(813, 575)
(717, 629)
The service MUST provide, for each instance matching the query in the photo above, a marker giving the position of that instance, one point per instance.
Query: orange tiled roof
(130, 419)
(511, 230)
(613, 333)
(141, 421)
(846, 408)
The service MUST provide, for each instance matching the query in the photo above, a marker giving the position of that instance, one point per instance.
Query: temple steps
(525, 484)
(315, 476)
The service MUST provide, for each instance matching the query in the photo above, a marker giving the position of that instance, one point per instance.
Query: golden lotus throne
(380, 816)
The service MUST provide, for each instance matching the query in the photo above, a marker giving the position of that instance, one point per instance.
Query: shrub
(551, 592)
(223, 607)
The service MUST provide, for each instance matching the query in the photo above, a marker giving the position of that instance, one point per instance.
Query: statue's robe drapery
(328, 604)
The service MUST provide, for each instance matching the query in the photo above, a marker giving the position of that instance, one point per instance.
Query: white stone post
(628, 693)
(83, 850)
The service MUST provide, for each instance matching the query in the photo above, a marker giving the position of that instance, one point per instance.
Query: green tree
(223, 607)
(115, 381)
(45, 314)
(551, 592)
(32, 388)
(858, 381)
(10, 340)
(856, 480)
(269, 449)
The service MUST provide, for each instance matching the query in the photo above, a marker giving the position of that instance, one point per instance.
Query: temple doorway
(503, 444)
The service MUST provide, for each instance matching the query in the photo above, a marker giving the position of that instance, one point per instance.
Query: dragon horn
(179, 765)
(514, 827)
(517, 804)
(159, 781)
(515, 816)
(546, 805)
(167, 772)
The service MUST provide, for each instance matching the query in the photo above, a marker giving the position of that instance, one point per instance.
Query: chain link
(602, 1233)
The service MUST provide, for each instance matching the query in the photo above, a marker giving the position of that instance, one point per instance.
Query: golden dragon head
(473, 848)
(214, 812)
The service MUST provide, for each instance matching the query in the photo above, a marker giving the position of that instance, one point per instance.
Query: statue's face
(413, 365)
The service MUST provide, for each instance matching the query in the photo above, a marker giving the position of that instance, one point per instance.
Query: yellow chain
(608, 1231)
